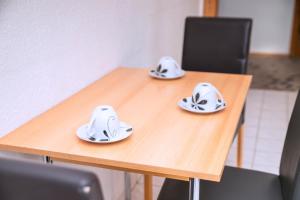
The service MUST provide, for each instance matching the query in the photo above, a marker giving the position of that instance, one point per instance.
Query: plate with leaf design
(162, 75)
(124, 132)
(187, 104)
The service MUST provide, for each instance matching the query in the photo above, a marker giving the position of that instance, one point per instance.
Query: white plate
(187, 105)
(124, 132)
(154, 74)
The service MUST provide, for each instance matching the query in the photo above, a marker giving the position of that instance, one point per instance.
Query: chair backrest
(216, 44)
(33, 181)
(290, 165)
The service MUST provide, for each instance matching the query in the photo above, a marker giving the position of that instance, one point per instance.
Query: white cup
(104, 124)
(168, 67)
(206, 97)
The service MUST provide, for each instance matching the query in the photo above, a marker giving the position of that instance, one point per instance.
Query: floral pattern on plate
(189, 104)
(124, 132)
(160, 74)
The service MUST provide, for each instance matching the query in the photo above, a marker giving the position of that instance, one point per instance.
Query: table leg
(127, 186)
(194, 193)
(148, 187)
(47, 159)
(240, 146)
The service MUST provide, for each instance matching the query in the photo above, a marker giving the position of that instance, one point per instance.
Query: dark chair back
(216, 44)
(290, 165)
(32, 181)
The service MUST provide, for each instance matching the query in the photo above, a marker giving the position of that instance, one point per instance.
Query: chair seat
(236, 184)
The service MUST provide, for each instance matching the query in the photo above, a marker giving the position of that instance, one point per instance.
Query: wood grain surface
(167, 140)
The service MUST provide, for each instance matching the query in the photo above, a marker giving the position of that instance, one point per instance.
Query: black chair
(21, 180)
(243, 184)
(218, 45)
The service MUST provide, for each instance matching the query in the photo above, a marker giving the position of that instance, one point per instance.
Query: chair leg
(240, 146)
(47, 160)
(148, 187)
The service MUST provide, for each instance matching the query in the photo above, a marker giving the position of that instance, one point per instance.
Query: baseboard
(253, 54)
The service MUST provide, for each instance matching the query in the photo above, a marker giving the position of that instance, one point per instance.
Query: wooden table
(167, 141)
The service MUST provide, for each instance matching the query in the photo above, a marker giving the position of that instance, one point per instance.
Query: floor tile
(269, 146)
(230, 162)
(266, 168)
(232, 154)
(158, 181)
(255, 94)
(252, 121)
(249, 143)
(251, 131)
(156, 190)
(273, 124)
(275, 106)
(291, 102)
(274, 95)
(137, 192)
(272, 133)
(268, 159)
(270, 115)
(248, 156)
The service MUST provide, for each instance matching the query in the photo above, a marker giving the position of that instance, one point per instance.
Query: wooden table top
(167, 141)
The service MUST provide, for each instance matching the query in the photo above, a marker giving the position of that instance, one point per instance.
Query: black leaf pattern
(152, 70)
(92, 138)
(128, 130)
(203, 102)
(162, 75)
(105, 133)
(200, 108)
(104, 140)
(197, 97)
(184, 100)
(164, 71)
(218, 106)
(193, 99)
(158, 68)
(193, 105)
(219, 100)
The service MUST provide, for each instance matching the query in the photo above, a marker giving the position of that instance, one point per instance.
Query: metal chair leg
(47, 159)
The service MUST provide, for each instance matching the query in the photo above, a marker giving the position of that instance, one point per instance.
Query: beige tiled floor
(267, 117)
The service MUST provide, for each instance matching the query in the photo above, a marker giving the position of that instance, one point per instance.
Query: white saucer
(124, 132)
(157, 75)
(186, 104)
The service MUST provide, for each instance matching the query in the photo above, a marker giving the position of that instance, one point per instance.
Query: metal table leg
(127, 186)
(47, 160)
(194, 192)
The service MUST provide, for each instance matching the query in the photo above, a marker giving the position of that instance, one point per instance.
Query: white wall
(272, 22)
(51, 49)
